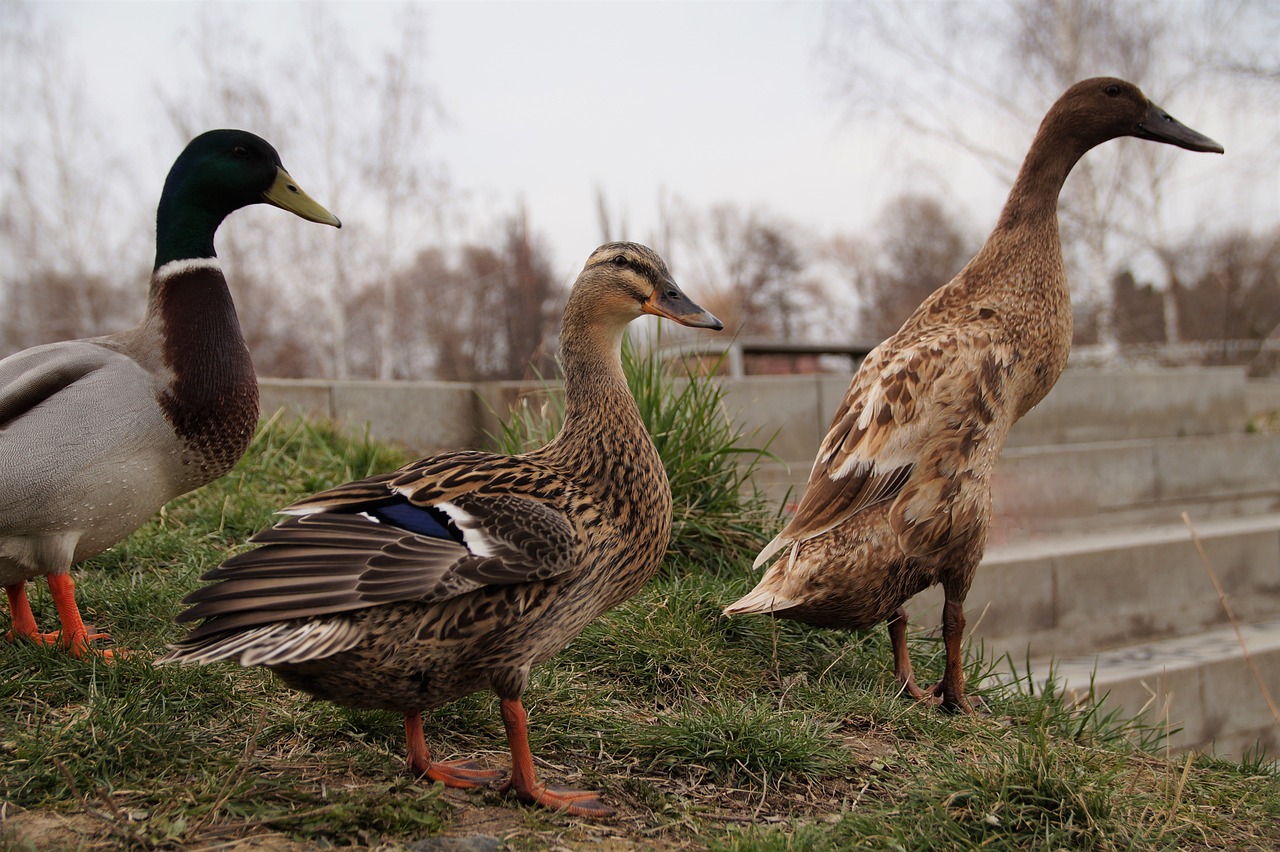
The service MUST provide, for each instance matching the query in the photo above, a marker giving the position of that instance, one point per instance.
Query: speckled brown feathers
(464, 570)
(899, 497)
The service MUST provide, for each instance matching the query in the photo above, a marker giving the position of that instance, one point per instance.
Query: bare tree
(404, 182)
(1236, 293)
(753, 264)
(487, 313)
(1137, 312)
(71, 266)
(532, 299)
(918, 247)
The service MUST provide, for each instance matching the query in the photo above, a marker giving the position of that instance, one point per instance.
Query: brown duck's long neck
(591, 356)
(602, 426)
(1034, 196)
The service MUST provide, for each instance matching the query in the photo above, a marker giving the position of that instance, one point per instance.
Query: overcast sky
(710, 101)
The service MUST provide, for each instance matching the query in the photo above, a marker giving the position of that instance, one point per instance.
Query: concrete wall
(421, 416)
(791, 412)
(1262, 396)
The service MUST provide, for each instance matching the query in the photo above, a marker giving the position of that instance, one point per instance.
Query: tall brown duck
(463, 570)
(97, 434)
(899, 497)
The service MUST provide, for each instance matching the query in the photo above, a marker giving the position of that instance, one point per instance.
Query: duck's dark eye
(240, 152)
(621, 260)
(1112, 90)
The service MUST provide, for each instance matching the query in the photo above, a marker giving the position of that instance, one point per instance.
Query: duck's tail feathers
(770, 550)
(270, 644)
(762, 600)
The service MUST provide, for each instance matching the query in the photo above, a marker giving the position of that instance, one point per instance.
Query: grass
(704, 732)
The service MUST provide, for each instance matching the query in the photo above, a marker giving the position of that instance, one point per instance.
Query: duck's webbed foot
(74, 636)
(949, 693)
(940, 697)
(460, 774)
(901, 658)
(576, 802)
(524, 779)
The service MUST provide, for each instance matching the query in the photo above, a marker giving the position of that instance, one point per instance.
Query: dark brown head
(1101, 108)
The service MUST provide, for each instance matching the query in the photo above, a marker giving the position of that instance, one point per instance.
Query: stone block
(421, 416)
(1201, 683)
(1074, 594)
(312, 398)
(1262, 396)
(1089, 405)
(1225, 465)
(1033, 490)
(782, 411)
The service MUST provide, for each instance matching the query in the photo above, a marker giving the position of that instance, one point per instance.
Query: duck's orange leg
(74, 637)
(524, 779)
(463, 774)
(24, 621)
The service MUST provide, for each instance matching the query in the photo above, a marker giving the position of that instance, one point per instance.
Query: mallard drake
(899, 497)
(462, 571)
(97, 434)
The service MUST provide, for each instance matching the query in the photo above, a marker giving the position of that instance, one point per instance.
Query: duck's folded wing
(912, 412)
(382, 551)
(71, 415)
(36, 375)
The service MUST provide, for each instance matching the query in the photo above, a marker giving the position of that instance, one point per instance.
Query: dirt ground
(482, 822)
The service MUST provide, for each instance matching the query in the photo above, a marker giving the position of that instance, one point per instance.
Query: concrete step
(1084, 487)
(1132, 483)
(1202, 684)
(1084, 593)
(793, 413)
(1261, 396)
(1088, 405)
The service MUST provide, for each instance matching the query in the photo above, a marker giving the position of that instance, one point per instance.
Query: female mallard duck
(97, 434)
(463, 570)
(899, 497)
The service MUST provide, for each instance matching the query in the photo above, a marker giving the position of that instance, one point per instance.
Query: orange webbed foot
(459, 774)
(78, 648)
(74, 636)
(82, 649)
(524, 778)
(576, 802)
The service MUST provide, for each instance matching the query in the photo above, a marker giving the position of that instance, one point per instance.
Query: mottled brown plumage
(899, 497)
(462, 571)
